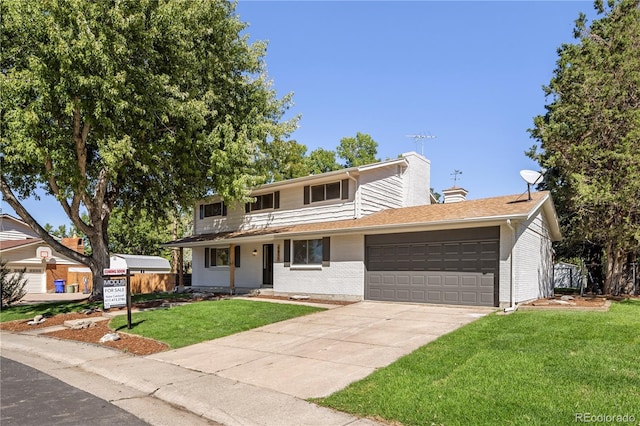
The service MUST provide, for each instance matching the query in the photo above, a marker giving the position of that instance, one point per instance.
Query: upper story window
(213, 209)
(327, 191)
(264, 202)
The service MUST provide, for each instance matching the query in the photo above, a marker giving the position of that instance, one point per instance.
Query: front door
(267, 265)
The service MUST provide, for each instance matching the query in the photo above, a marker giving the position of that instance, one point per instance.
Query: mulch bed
(576, 302)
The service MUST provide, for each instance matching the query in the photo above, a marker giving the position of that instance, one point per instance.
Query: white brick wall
(344, 276)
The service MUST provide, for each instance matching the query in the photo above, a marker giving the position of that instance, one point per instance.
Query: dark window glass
(332, 191)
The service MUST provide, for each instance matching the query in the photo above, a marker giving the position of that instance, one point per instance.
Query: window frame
(258, 205)
(313, 250)
(212, 257)
(219, 212)
(340, 193)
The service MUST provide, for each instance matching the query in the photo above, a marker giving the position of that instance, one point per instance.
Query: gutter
(356, 197)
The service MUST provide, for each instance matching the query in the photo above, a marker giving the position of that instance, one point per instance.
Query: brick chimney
(74, 243)
(454, 194)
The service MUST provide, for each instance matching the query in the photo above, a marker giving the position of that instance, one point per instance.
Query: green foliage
(12, 285)
(590, 136)
(284, 160)
(358, 150)
(321, 161)
(201, 321)
(141, 105)
(526, 368)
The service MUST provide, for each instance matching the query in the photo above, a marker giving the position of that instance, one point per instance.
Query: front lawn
(531, 367)
(197, 322)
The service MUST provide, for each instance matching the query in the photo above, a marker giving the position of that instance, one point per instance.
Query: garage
(33, 276)
(458, 267)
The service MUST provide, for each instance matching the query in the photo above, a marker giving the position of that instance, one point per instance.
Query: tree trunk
(614, 274)
(99, 261)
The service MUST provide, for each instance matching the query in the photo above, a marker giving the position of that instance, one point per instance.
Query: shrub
(12, 285)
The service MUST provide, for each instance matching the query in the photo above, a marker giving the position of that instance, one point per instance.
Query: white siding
(344, 276)
(381, 189)
(532, 261)
(292, 211)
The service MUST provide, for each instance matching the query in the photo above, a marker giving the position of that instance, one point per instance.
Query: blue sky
(469, 73)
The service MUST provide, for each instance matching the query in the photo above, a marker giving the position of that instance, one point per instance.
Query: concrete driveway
(321, 353)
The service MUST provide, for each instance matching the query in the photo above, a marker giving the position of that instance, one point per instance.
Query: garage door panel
(456, 266)
(467, 288)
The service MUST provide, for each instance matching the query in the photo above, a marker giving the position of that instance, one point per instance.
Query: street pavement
(32, 398)
(258, 377)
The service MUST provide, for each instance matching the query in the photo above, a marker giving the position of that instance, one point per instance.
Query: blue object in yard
(59, 285)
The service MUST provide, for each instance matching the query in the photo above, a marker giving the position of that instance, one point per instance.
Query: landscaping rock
(299, 297)
(110, 337)
(79, 325)
(561, 302)
(38, 319)
(254, 293)
(566, 298)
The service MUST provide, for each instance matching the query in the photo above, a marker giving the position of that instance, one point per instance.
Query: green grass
(197, 322)
(20, 312)
(531, 367)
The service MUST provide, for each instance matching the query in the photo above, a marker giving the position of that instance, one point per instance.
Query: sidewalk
(162, 393)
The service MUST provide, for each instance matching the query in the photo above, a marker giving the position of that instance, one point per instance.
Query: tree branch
(29, 220)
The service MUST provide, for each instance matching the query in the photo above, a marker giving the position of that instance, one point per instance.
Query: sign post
(117, 290)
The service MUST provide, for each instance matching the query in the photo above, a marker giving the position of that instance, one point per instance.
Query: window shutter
(201, 211)
(237, 256)
(224, 209)
(326, 251)
(276, 200)
(206, 257)
(345, 189)
(307, 189)
(247, 207)
(287, 253)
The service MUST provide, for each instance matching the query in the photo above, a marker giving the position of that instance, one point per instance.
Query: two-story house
(373, 232)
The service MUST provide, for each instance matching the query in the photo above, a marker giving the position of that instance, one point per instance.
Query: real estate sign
(115, 293)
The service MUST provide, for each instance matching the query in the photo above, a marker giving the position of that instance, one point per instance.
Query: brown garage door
(453, 267)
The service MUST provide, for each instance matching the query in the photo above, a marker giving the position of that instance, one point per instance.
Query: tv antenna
(455, 175)
(532, 178)
(420, 138)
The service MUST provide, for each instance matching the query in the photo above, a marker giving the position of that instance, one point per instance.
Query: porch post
(232, 269)
(181, 269)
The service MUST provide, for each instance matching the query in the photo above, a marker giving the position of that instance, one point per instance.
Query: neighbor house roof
(13, 244)
(135, 261)
(469, 213)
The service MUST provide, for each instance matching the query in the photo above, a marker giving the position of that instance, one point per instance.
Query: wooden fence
(140, 283)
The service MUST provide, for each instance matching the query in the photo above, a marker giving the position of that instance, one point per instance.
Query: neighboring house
(371, 232)
(139, 264)
(22, 249)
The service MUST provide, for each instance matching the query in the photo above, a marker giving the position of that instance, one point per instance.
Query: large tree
(358, 150)
(143, 104)
(590, 135)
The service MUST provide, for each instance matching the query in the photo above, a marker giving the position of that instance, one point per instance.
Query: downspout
(356, 207)
(512, 304)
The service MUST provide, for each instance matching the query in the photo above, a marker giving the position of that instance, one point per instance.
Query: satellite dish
(531, 178)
